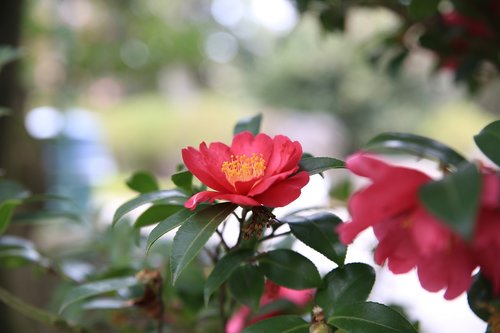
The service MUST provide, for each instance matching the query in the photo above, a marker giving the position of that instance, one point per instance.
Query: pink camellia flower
(253, 171)
(272, 292)
(408, 235)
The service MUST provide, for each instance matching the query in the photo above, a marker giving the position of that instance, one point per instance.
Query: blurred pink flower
(408, 235)
(253, 171)
(486, 241)
(272, 292)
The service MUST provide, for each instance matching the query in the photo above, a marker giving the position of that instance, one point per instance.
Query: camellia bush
(215, 255)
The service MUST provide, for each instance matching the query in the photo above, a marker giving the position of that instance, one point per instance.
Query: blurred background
(91, 91)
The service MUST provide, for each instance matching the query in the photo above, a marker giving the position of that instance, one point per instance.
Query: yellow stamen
(242, 168)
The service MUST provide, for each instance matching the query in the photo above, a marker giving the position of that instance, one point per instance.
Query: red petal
(211, 196)
(197, 163)
(282, 193)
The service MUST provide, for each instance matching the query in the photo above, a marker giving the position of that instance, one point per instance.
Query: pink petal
(246, 143)
(237, 322)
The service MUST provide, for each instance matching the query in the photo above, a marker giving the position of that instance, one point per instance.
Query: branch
(38, 314)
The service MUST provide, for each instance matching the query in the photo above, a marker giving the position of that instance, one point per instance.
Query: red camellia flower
(272, 292)
(253, 171)
(408, 235)
(486, 241)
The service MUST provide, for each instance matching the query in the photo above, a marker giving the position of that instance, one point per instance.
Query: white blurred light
(134, 53)
(44, 122)
(221, 47)
(227, 12)
(81, 125)
(279, 16)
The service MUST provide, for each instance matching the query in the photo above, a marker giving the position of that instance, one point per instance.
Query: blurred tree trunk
(20, 160)
(19, 156)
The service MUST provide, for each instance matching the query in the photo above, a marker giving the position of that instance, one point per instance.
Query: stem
(162, 307)
(38, 314)
(273, 235)
(242, 220)
(222, 241)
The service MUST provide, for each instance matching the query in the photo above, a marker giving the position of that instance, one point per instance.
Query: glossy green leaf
(194, 233)
(314, 165)
(165, 196)
(488, 141)
(94, 288)
(223, 269)
(479, 296)
(251, 124)
(6, 211)
(183, 180)
(416, 145)
(420, 10)
(155, 214)
(280, 324)
(169, 224)
(344, 285)
(289, 269)
(318, 232)
(364, 317)
(455, 198)
(246, 284)
(142, 182)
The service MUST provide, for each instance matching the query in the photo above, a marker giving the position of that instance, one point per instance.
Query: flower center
(242, 168)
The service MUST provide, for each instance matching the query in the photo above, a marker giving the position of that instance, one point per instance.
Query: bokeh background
(100, 89)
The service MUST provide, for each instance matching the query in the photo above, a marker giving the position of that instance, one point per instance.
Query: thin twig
(223, 241)
(273, 235)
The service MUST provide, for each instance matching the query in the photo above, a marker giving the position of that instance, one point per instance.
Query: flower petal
(198, 164)
(282, 193)
(211, 196)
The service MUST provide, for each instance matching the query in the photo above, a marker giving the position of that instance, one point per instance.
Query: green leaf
(194, 233)
(251, 124)
(5, 112)
(364, 317)
(314, 165)
(289, 269)
(488, 141)
(416, 145)
(318, 232)
(6, 211)
(94, 288)
(479, 296)
(47, 216)
(246, 284)
(143, 182)
(223, 269)
(8, 54)
(169, 224)
(455, 198)
(183, 180)
(155, 214)
(12, 190)
(20, 248)
(420, 10)
(165, 196)
(344, 285)
(280, 324)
